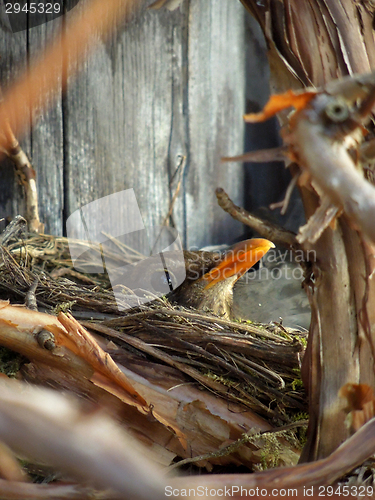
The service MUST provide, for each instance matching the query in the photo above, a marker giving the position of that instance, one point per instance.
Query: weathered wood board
(169, 86)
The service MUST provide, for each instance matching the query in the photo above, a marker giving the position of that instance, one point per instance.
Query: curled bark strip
(279, 102)
(332, 167)
(72, 349)
(324, 216)
(84, 345)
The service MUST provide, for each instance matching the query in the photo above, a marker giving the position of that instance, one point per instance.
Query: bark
(311, 42)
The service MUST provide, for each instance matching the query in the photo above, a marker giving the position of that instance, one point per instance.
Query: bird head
(237, 260)
(213, 291)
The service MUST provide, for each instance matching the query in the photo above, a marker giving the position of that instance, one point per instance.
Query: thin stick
(228, 450)
(180, 171)
(260, 156)
(26, 176)
(265, 228)
(285, 202)
(13, 230)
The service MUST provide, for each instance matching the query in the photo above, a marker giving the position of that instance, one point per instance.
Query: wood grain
(170, 84)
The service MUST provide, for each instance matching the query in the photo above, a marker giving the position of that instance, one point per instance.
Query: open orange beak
(238, 260)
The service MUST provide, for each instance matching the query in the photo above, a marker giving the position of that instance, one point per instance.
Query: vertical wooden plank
(13, 57)
(120, 114)
(216, 103)
(171, 84)
(47, 138)
(43, 143)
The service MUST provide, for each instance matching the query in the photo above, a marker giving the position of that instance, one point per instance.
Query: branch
(265, 228)
(260, 156)
(317, 136)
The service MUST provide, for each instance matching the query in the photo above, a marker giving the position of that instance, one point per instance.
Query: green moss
(219, 378)
(301, 432)
(297, 383)
(270, 452)
(10, 362)
(303, 340)
(63, 307)
(242, 321)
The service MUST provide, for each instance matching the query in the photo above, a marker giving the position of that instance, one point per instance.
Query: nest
(256, 366)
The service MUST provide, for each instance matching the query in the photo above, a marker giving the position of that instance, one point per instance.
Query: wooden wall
(167, 86)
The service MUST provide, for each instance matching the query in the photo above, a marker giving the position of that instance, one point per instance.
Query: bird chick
(213, 291)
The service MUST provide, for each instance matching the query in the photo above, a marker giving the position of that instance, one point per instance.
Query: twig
(349, 455)
(265, 228)
(30, 297)
(26, 176)
(285, 202)
(247, 363)
(254, 381)
(260, 156)
(216, 387)
(13, 230)
(125, 249)
(324, 216)
(219, 361)
(199, 316)
(180, 171)
(90, 446)
(228, 450)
